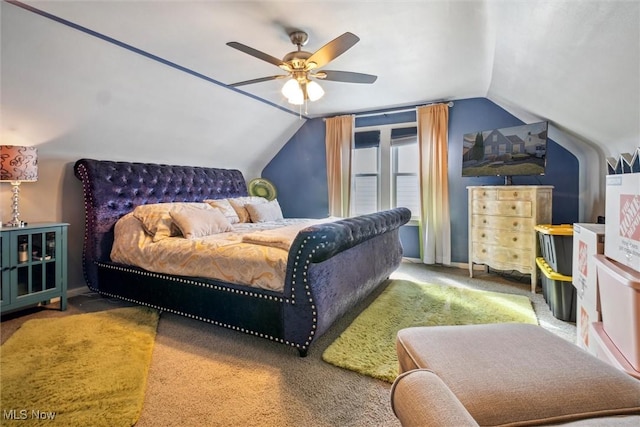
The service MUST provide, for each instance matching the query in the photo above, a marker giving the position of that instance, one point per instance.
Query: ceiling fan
(303, 67)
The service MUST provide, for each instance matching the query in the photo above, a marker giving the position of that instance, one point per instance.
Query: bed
(330, 266)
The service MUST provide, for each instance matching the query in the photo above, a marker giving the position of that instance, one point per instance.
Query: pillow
(156, 220)
(226, 209)
(264, 212)
(195, 222)
(239, 204)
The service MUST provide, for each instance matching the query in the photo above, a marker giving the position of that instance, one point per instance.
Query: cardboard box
(622, 221)
(619, 288)
(588, 240)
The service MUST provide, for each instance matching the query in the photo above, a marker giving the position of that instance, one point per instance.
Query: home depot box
(588, 240)
(622, 228)
(619, 288)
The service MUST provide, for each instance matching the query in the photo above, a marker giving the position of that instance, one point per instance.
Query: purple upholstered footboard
(331, 266)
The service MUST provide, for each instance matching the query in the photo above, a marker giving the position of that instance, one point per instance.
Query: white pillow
(195, 223)
(156, 220)
(264, 212)
(226, 209)
(239, 204)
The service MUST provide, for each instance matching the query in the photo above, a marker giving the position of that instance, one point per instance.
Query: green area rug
(80, 370)
(367, 346)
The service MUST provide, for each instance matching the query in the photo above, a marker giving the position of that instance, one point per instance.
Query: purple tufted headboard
(112, 189)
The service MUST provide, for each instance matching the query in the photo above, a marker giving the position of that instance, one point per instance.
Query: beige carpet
(368, 345)
(83, 370)
(203, 375)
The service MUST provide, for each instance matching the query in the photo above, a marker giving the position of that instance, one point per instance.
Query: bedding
(328, 268)
(254, 254)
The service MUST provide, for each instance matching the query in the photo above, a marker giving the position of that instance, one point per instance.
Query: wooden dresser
(501, 226)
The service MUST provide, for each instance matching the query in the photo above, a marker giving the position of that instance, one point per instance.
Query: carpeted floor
(368, 345)
(205, 375)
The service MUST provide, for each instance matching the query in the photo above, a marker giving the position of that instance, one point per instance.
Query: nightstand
(33, 265)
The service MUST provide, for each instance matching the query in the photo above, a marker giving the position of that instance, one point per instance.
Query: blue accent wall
(299, 171)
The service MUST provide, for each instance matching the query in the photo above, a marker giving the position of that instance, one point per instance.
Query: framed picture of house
(517, 150)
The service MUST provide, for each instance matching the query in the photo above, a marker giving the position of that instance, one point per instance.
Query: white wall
(73, 95)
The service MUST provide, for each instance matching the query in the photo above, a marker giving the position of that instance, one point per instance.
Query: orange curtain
(435, 223)
(339, 142)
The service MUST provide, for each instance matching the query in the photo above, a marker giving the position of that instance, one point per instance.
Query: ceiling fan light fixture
(293, 92)
(314, 91)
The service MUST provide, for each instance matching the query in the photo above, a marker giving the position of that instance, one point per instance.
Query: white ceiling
(575, 63)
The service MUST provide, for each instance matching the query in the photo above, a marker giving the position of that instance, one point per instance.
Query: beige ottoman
(509, 374)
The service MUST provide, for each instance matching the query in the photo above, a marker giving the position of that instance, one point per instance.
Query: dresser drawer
(503, 208)
(516, 194)
(503, 223)
(509, 239)
(503, 258)
(484, 194)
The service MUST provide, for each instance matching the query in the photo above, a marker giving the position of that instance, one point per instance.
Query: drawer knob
(484, 221)
(515, 239)
(483, 235)
(515, 223)
(484, 207)
(513, 207)
(515, 193)
(515, 256)
(484, 251)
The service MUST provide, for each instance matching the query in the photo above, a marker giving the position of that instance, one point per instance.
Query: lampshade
(18, 164)
(292, 91)
(314, 91)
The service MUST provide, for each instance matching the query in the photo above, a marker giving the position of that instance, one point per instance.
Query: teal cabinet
(33, 265)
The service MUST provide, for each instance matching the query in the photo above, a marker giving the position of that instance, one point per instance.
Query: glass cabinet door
(36, 266)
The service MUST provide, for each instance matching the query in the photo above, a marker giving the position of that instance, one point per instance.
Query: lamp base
(15, 190)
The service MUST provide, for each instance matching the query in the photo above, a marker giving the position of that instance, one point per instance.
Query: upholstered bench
(506, 374)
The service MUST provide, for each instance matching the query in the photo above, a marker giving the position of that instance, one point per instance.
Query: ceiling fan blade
(333, 49)
(260, 80)
(257, 54)
(345, 76)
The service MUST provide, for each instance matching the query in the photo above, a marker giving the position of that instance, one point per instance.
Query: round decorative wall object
(262, 188)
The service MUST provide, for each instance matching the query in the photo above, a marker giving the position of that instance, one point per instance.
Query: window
(404, 171)
(366, 172)
(385, 169)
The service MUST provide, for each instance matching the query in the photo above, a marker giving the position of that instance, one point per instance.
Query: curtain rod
(404, 110)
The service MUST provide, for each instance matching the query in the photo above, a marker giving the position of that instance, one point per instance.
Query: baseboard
(74, 292)
(462, 265)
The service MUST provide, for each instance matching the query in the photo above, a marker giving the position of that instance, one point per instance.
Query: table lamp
(17, 164)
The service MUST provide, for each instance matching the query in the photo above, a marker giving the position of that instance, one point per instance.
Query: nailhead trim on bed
(204, 319)
(82, 170)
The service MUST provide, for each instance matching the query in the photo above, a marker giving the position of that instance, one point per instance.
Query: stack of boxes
(555, 264)
(588, 240)
(617, 336)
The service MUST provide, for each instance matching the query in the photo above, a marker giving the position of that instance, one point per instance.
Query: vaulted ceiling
(575, 63)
